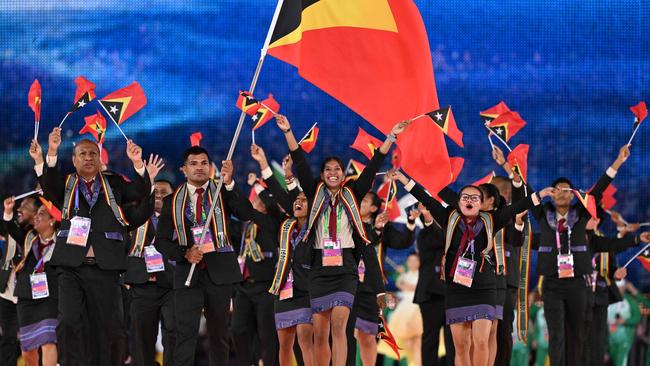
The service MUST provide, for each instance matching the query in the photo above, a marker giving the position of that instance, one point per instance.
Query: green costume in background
(540, 334)
(623, 318)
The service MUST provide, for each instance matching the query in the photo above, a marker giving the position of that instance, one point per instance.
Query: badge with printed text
(464, 274)
(361, 269)
(79, 231)
(208, 244)
(287, 290)
(153, 259)
(565, 265)
(332, 253)
(39, 286)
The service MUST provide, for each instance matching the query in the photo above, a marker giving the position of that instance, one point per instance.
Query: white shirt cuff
(409, 185)
(51, 160)
(267, 173)
(8, 217)
(535, 198)
(517, 184)
(611, 172)
(519, 227)
(231, 186)
(141, 170)
(258, 188)
(381, 294)
(427, 224)
(410, 226)
(292, 185)
(38, 168)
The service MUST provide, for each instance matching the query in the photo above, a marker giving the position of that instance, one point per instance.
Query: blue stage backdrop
(570, 68)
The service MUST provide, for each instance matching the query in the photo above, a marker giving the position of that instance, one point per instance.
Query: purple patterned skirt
(36, 322)
(466, 305)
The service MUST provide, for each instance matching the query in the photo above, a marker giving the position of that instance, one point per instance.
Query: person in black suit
(210, 290)
(258, 255)
(563, 238)
(8, 316)
(37, 303)
(430, 290)
(149, 276)
(90, 252)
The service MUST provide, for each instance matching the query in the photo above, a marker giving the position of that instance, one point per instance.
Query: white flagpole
(65, 117)
(38, 191)
(233, 144)
(307, 134)
(636, 255)
(37, 124)
(498, 137)
(629, 142)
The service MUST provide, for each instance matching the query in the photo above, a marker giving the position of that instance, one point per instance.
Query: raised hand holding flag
(96, 126)
(308, 142)
(640, 113)
(84, 94)
(34, 100)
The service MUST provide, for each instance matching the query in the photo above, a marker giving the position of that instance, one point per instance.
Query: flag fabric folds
(365, 143)
(518, 159)
(308, 143)
(96, 126)
(353, 169)
(266, 110)
(588, 201)
(348, 47)
(444, 118)
(34, 99)
(84, 94)
(640, 111)
(195, 138)
(387, 191)
(491, 113)
(506, 125)
(608, 201)
(396, 158)
(644, 258)
(123, 103)
(51, 209)
(456, 167)
(486, 179)
(247, 103)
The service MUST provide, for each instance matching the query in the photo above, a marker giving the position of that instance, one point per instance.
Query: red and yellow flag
(84, 94)
(195, 138)
(491, 113)
(518, 159)
(354, 169)
(267, 109)
(348, 47)
(486, 179)
(444, 119)
(608, 201)
(644, 258)
(51, 209)
(366, 144)
(34, 99)
(640, 111)
(247, 103)
(123, 103)
(308, 143)
(507, 125)
(96, 126)
(456, 167)
(588, 201)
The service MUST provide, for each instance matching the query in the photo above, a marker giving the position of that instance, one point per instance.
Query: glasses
(470, 197)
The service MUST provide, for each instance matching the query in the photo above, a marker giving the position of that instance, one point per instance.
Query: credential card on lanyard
(79, 231)
(332, 253)
(287, 290)
(464, 274)
(153, 259)
(208, 244)
(40, 289)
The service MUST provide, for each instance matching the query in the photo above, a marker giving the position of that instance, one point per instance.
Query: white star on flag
(499, 131)
(254, 118)
(81, 104)
(439, 116)
(114, 109)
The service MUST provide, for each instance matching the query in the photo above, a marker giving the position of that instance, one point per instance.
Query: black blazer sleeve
(449, 196)
(139, 212)
(243, 209)
(611, 244)
(396, 239)
(165, 243)
(137, 189)
(303, 172)
(53, 184)
(283, 197)
(363, 184)
(506, 214)
(439, 213)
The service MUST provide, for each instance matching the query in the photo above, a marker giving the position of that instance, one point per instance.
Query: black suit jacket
(108, 237)
(431, 245)
(222, 267)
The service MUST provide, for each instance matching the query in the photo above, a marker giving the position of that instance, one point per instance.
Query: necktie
(332, 219)
(561, 226)
(199, 205)
(41, 250)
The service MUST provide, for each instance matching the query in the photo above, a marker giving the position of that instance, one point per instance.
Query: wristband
(287, 131)
(391, 137)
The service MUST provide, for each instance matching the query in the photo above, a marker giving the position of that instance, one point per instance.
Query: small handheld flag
(268, 108)
(486, 179)
(491, 113)
(385, 335)
(96, 126)
(85, 94)
(506, 125)
(643, 256)
(195, 139)
(518, 159)
(456, 167)
(123, 103)
(51, 209)
(308, 142)
(247, 103)
(366, 143)
(588, 201)
(640, 113)
(34, 98)
(353, 169)
(444, 119)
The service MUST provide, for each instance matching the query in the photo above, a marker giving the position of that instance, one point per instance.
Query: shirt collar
(559, 216)
(192, 189)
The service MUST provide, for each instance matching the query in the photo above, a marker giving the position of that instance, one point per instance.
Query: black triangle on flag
(499, 131)
(248, 101)
(114, 109)
(85, 99)
(440, 117)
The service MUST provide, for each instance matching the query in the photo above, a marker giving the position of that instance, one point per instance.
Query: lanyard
(42, 260)
(559, 243)
(339, 212)
(469, 247)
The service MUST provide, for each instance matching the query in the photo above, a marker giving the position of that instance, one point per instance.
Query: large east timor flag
(374, 57)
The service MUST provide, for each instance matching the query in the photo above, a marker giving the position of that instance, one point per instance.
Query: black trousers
(433, 318)
(565, 302)
(8, 333)
(214, 302)
(598, 336)
(504, 329)
(91, 327)
(150, 305)
(253, 315)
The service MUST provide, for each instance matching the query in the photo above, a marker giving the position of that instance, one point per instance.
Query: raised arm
(504, 215)
(617, 245)
(439, 213)
(280, 195)
(51, 181)
(9, 225)
(140, 187)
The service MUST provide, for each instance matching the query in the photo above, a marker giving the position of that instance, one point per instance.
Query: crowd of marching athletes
(95, 265)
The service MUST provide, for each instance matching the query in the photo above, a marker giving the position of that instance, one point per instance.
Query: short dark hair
(377, 202)
(471, 186)
(491, 191)
(84, 141)
(163, 180)
(562, 180)
(332, 158)
(501, 179)
(195, 150)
